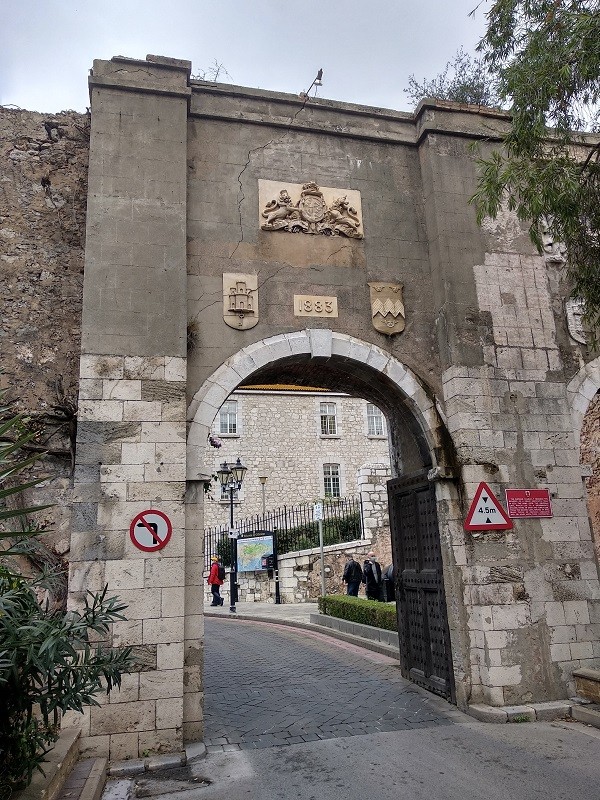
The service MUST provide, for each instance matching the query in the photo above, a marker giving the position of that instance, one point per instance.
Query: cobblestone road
(270, 685)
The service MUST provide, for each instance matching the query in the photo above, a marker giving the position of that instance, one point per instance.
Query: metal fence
(294, 526)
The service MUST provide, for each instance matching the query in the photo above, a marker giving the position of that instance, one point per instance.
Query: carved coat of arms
(240, 300)
(311, 214)
(575, 310)
(387, 307)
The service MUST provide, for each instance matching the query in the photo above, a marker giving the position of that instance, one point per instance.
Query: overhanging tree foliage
(546, 56)
(465, 79)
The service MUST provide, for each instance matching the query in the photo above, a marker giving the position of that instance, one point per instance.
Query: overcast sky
(367, 48)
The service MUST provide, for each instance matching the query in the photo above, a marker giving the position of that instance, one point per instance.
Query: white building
(299, 444)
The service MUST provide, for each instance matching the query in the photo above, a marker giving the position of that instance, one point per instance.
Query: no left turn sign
(150, 530)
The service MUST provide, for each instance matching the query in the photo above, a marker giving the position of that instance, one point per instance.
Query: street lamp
(231, 477)
(263, 480)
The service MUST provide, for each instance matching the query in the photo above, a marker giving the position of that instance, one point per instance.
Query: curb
(534, 712)
(366, 644)
(589, 714)
(137, 766)
(96, 780)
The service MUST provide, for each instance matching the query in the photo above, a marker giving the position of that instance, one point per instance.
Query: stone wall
(132, 428)
(280, 438)
(475, 386)
(43, 193)
(510, 417)
(300, 572)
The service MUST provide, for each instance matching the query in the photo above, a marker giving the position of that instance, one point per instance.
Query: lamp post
(231, 477)
(263, 480)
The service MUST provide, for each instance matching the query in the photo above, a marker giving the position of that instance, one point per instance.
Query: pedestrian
(372, 577)
(353, 576)
(215, 580)
(387, 581)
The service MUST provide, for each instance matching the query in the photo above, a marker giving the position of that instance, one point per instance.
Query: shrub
(47, 663)
(224, 551)
(48, 666)
(355, 609)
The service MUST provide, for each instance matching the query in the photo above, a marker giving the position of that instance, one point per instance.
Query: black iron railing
(294, 526)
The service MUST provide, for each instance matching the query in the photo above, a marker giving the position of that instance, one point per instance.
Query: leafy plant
(13, 438)
(520, 718)
(49, 662)
(464, 79)
(546, 58)
(224, 550)
(306, 537)
(48, 666)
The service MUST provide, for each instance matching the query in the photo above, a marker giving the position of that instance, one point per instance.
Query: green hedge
(355, 609)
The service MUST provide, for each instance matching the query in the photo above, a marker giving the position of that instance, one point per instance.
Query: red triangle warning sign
(486, 513)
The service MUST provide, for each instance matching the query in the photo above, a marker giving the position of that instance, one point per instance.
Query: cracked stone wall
(43, 193)
(172, 205)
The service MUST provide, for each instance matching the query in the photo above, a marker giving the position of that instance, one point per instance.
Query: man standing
(353, 576)
(215, 580)
(372, 577)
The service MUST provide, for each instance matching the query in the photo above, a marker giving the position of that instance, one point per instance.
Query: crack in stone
(251, 152)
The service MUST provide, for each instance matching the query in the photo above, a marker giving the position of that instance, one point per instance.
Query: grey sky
(367, 48)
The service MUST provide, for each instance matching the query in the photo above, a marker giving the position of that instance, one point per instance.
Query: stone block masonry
(131, 453)
(475, 388)
(511, 422)
(135, 465)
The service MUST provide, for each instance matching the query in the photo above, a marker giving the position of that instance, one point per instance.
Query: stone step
(587, 684)
(590, 714)
(57, 766)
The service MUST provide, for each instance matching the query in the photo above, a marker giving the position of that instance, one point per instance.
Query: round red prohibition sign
(150, 530)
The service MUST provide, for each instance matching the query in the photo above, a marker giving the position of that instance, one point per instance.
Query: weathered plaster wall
(224, 235)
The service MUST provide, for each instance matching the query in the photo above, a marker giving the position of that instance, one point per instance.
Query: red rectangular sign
(528, 503)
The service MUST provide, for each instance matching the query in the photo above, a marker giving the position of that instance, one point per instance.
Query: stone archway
(417, 429)
(581, 390)
(318, 345)
(584, 394)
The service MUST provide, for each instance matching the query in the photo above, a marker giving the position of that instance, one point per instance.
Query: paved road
(270, 685)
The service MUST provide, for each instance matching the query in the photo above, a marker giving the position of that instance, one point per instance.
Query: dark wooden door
(422, 622)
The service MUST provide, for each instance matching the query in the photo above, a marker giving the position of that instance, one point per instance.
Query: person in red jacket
(215, 582)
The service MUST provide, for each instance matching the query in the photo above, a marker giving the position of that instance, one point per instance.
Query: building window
(331, 480)
(328, 420)
(228, 422)
(374, 421)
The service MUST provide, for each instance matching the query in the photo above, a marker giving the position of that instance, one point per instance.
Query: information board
(528, 503)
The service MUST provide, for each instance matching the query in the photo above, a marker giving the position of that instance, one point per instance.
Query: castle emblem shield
(387, 307)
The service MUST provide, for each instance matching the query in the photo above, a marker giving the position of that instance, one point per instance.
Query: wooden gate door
(425, 655)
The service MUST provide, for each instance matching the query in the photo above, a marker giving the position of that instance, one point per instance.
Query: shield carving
(312, 205)
(387, 307)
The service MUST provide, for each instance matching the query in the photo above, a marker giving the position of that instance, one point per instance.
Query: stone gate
(237, 235)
